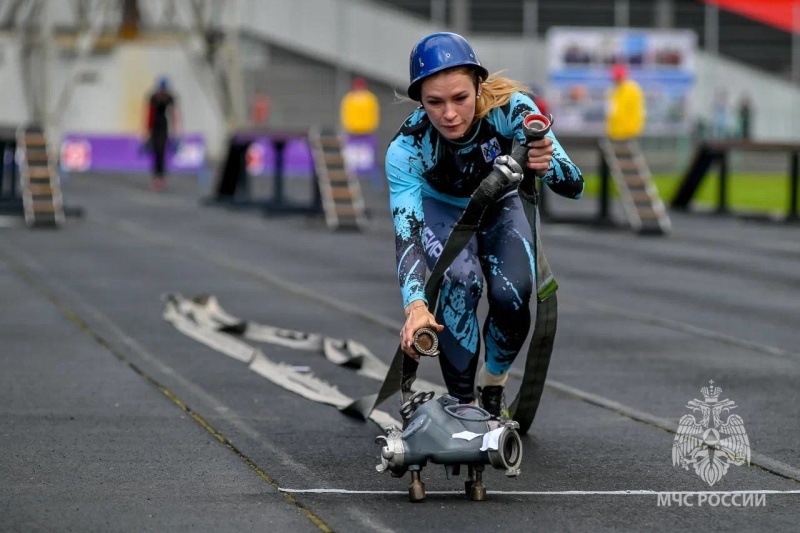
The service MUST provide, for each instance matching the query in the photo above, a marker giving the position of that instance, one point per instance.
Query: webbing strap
(403, 368)
(523, 408)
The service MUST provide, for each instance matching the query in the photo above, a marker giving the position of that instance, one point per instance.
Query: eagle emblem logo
(710, 444)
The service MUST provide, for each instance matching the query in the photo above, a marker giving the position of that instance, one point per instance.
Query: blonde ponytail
(496, 91)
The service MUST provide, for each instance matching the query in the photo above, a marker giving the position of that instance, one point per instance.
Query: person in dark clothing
(745, 113)
(162, 123)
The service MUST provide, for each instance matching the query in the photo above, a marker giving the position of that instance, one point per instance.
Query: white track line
(632, 492)
(395, 325)
(677, 325)
(767, 463)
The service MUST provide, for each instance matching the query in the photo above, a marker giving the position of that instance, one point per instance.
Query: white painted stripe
(394, 325)
(257, 272)
(631, 492)
(688, 238)
(767, 463)
(677, 325)
(64, 296)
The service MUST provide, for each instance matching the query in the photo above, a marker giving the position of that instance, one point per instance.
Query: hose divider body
(448, 433)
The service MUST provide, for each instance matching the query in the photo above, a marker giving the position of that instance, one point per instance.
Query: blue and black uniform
(431, 179)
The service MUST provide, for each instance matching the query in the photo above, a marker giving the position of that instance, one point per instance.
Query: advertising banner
(580, 61)
(261, 157)
(125, 153)
(359, 152)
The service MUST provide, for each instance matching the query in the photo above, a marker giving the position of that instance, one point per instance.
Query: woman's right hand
(417, 317)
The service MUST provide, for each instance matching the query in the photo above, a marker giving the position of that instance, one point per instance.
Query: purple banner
(359, 153)
(297, 158)
(126, 153)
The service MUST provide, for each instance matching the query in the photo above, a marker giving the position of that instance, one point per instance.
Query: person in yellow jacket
(626, 114)
(359, 110)
(359, 114)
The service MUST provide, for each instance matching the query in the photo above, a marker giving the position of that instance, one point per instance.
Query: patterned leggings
(502, 253)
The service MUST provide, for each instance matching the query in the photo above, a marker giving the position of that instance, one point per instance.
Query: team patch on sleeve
(490, 150)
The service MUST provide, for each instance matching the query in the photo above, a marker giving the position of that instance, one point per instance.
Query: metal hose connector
(536, 126)
(426, 342)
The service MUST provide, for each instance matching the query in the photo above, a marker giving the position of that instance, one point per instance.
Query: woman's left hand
(540, 155)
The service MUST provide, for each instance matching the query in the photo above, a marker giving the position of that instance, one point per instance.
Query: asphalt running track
(112, 420)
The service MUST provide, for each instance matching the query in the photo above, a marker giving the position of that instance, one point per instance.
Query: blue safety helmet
(162, 83)
(437, 52)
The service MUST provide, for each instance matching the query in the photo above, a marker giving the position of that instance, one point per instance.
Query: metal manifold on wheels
(451, 434)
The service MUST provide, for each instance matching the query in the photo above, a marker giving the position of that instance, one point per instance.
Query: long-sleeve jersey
(160, 112)
(420, 162)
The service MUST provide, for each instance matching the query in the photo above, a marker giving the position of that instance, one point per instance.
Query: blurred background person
(359, 115)
(745, 116)
(626, 113)
(162, 128)
(262, 110)
(720, 120)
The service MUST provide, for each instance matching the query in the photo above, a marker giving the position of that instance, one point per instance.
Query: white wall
(114, 101)
(371, 38)
(13, 104)
(776, 102)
